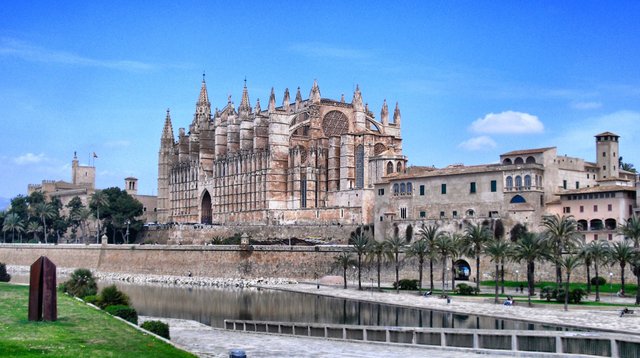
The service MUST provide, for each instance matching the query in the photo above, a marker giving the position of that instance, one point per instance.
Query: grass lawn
(630, 288)
(80, 331)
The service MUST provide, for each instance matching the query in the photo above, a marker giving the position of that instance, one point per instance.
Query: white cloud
(586, 105)
(29, 158)
(28, 52)
(478, 143)
(509, 122)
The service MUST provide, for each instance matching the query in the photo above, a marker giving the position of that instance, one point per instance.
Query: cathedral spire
(245, 106)
(204, 96)
(286, 100)
(357, 100)
(167, 131)
(272, 101)
(298, 99)
(396, 115)
(384, 113)
(203, 107)
(315, 93)
(258, 109)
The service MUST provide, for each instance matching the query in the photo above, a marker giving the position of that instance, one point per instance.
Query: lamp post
(517, 273)
(127, 234)
(611, 285)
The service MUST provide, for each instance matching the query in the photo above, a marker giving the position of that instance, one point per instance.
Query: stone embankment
(168, 279)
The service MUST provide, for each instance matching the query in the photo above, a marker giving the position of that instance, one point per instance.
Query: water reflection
(213, 306)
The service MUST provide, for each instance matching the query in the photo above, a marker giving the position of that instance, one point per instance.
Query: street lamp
(127, 234)
(517, 273)
(611, 284)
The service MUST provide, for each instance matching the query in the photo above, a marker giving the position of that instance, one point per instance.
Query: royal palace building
(311, 160)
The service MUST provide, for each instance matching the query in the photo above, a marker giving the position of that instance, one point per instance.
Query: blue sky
(474, 79)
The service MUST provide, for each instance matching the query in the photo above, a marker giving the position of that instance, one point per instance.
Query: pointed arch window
(395, 189)
(389, 168)
(509, 183)
(409, 188)
(402, 188)
(399, 167)
(517, 200)
(527, 181)
(518, 182)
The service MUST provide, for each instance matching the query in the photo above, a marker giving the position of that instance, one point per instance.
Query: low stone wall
(232, 261)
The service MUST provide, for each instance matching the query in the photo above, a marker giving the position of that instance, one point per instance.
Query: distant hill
(4, 203)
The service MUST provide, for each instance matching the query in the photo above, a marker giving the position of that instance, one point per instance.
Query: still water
(212, 306)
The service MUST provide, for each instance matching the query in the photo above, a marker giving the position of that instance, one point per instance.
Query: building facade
(523, 187)
(307, 161)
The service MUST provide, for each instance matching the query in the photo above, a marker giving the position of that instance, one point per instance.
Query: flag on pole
(95, 155)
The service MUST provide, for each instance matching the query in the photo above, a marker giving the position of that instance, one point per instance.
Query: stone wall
(231, 261)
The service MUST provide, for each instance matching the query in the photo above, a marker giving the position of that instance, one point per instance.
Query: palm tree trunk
(379, 264)
(530, 277)
(431, 272)
(622, 266)
(637, 272)
(566, 291)
(478, 272)
(397, 274)
(420, 275)
(359, 272)
(44, 225)
(444, 267)
(595, 264)
(497, 273)
(453, 278)
(502, 275)
(344, 276)
(588, 278)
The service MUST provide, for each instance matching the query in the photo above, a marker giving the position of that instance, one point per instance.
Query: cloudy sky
(473, 79)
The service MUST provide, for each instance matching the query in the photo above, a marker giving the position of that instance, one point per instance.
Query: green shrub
(125, 312)
(4, 276)
(575, 295)
(598, 280)
(466, 290)
(111, 296)
(549, 293)
(81, 283)
(407, 284)
(157, 327)
(93, 299)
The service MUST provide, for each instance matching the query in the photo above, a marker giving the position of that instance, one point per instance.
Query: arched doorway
(205, 208)
(462, 270)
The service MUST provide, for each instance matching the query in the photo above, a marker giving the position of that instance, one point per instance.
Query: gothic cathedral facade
(312, 161)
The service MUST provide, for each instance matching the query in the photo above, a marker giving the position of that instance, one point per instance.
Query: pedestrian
(521, 288)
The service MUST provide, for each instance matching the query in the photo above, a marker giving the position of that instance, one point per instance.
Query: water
(212, 306)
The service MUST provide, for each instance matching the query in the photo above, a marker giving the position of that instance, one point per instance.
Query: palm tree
(631, 230)
(444, 245)
(623, 253)
(13, 223)
(429, 234)
(99, 200)
(498, 250)
(419, 249)
(378, 252)
(360, 244)
(475, 237)
(344, 260)
(562, 233)
(34, 228)
(44, 211)
(395, 245)
(530, 247)
(569, 262)
(599, 252)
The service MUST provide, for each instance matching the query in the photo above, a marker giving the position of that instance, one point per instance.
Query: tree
(429, 233)
(44, 211)
(474, 238)
(599, 252)
(34, 229)
(623, 253)
(395, 245)
(631, 230)
(360, 243)
(13, 223)
(569, 262)
(498, 250)
(444, 245)
(419, 249)
(75, 207)
(120, 207)
(344, 260)
(378, 252)
(562, 233)
(530, 247)
(498, 234)
(626, 166)
(97, 202)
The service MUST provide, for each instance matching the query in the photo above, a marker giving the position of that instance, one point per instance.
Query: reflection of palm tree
(631, 230)
(395, 244)
(429, 233)
(13, 223)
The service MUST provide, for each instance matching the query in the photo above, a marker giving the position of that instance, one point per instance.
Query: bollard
(237, 353)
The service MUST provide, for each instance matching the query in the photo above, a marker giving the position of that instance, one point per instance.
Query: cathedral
(307, 161)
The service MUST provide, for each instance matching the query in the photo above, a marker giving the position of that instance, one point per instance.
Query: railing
(523, 342)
